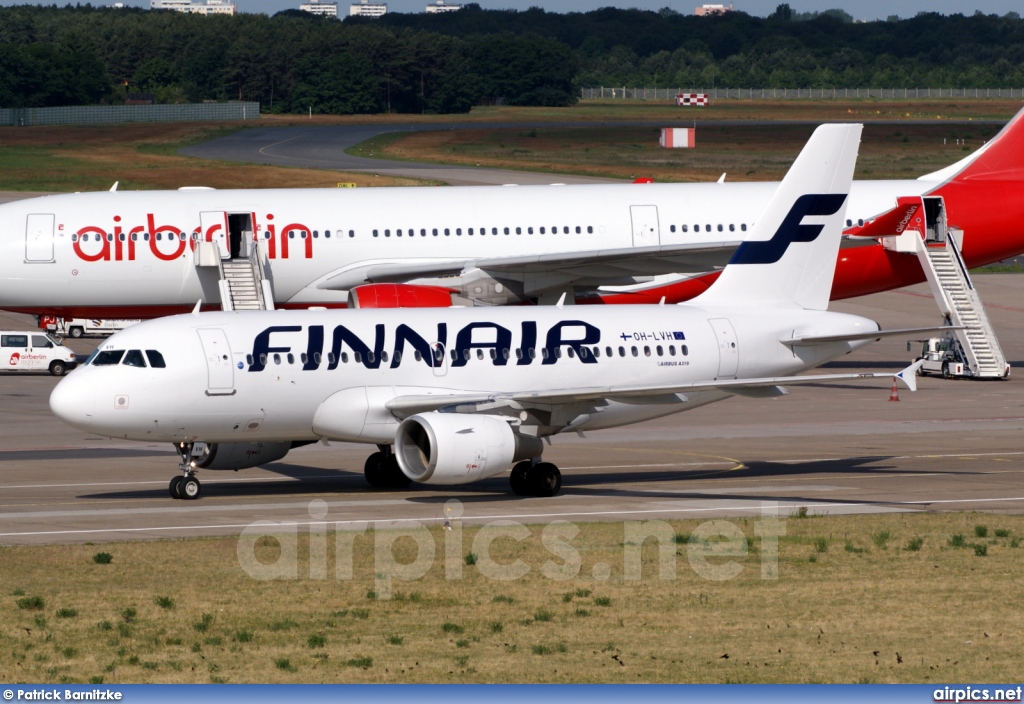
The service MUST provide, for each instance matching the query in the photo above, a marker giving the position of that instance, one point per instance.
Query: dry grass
(142, 157)
(744, 152)
(877, 611)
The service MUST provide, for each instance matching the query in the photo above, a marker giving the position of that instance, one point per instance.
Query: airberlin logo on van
(127, 242)
(15, 358)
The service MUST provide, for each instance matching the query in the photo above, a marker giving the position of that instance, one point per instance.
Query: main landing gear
(382, 471)
(187, 486)
(535, 479)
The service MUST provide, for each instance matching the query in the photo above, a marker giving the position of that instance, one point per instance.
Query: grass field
(922, 597)
(144, 155)
(744, 153)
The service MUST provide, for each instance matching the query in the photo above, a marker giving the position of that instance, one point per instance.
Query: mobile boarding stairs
(938, 251)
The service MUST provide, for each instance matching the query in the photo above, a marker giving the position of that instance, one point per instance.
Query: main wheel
(372, 470)
(57, 368)
(174, 489)
(190, 488)
(394, 477)
(544, 479)
(518, 480)
(76, 332)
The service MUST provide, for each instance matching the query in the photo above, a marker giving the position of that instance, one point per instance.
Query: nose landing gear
(186, 486)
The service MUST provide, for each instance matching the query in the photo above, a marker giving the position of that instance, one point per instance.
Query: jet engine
(239, 455)
(399, 296)
(455, 448)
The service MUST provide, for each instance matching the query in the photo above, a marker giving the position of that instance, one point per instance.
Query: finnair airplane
(465, 393)
(152, 253)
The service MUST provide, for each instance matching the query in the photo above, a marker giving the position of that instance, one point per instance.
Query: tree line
(446, 63)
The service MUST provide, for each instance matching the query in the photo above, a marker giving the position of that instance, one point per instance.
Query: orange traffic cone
(894, 395)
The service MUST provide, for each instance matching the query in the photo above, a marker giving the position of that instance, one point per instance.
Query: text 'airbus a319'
(146, 254)
(453, 395)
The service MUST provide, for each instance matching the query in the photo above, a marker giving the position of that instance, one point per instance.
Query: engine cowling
(240, 455)
(399, 296)
(454, 448)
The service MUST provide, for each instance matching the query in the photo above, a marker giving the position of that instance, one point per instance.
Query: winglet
(561, 301)
(199, 304)
(909, 375)
(114, 187)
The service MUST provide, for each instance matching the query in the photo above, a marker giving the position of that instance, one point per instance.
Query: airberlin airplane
(466, 393)
(138, 254)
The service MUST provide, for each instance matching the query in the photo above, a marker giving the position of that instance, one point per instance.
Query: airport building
(441, 6)
(209, 7)
(365, 8)
(324, 9)
(705, 10)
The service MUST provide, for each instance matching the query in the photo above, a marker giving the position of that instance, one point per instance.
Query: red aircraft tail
(1001, 159)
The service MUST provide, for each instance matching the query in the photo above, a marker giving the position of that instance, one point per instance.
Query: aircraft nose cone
(73, 402)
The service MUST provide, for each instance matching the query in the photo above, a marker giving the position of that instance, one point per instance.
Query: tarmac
(954, 445)
(323, 147)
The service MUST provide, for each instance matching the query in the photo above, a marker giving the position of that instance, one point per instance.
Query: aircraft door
(440, 365)
(39, 237)
(728, 351)
(220, 373)
(646, 232)
(239, 234)
(215, 229)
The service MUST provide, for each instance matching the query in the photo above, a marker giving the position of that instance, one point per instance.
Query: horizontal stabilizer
(907, 215)
(877, 335)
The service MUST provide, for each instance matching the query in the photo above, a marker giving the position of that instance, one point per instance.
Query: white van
(34, 351)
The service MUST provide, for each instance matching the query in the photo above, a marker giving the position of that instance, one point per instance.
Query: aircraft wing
(405, 406)
(596, 267)
(877, 335)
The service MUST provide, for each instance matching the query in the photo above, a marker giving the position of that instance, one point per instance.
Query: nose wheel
(186, 486)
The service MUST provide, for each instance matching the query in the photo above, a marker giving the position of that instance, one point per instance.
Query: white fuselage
(263, 376)
(135, 252)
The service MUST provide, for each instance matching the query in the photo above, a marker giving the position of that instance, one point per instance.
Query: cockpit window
(134, 358)
(106, 357)
(156, 360)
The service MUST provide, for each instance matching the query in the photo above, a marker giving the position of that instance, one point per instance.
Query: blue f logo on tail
(791, 230)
